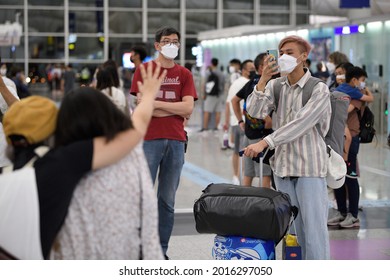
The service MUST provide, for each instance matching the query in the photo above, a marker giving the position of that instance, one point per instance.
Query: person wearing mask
(212, 103)
(254, 129)
(165, 139)
(29, 124)
(138, 55)
(335, 58)
(355, 87)
(234, 70)
(230, 118)
(300, 160)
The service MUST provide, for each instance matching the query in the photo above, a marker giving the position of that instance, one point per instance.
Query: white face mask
(169, 51)
(340, 77)
(287, 63)
(232, 69)
(3, 71)
(331, 67)
(362, 85)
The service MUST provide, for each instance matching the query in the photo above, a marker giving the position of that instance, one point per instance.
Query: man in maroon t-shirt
(165, 138)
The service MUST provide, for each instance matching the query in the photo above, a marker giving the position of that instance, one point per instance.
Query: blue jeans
(311, 197)
(351, 185)
(166, 157)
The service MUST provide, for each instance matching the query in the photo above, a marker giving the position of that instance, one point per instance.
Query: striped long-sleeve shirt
(299, 148)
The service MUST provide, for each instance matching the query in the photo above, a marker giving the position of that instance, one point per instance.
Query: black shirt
(254, 128)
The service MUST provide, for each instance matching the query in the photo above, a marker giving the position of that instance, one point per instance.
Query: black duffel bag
(226, 209)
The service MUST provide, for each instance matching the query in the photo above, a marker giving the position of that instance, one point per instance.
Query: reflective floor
(207, 163)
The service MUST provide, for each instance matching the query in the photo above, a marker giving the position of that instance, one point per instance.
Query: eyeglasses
(167, 42)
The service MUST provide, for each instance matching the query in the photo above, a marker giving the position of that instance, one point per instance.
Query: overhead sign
(354, 4)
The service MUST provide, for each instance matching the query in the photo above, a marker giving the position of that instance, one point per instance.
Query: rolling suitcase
(237, 212)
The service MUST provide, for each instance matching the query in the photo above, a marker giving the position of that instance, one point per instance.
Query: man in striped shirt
(300, 160)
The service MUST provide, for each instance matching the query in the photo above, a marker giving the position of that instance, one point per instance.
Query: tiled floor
(206, 163)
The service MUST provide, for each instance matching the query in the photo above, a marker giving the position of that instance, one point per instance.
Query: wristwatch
(240, 121)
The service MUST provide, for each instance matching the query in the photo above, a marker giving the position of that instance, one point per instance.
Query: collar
(302, 81)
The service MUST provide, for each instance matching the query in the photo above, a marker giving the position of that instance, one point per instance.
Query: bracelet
(240, 121)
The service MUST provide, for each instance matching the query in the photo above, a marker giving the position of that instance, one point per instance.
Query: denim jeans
(311, 197)
(351, 185)
(167, 158)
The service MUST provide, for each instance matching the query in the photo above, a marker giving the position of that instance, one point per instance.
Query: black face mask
(252, 74)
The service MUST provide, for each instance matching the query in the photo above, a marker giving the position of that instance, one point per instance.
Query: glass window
(86, 3)
(234, 19)
(201, 4)
(275, 5)
(125, 22)
(10, 15)
(159, 19)
(238, 5)
(14, 2)
(86, 22)
(125, 3)
(46, 47)
(53, 21)
(164, 4)
(275, 19)
(46, 2)
(87, 48)
(302, 19)
(303, 2)
(190, 43)
(9, 53)
(197, 22)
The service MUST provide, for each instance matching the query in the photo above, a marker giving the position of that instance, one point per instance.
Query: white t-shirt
(118, 97)
(234, 88)
(4, 161)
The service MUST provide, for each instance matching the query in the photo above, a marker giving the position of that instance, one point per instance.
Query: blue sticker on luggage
(242, 248)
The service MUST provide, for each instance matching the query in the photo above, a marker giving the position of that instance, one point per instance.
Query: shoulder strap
(306, 91)
(277, 87)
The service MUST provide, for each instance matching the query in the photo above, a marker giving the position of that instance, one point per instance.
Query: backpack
(339, 103)
(19, 207)
(212, 84)
(367, 130)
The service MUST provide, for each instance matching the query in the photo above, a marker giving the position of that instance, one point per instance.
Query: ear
(157, 46)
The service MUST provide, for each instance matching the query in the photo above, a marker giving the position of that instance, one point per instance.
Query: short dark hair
(235, 61)
(345, 66)
(354, 72)
(259, 60)
(165, 31)
(244, 63)
(141, 51)
(214, 61)
(86, 113)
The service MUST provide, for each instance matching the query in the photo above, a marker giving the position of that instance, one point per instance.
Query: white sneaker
(350, 222)
(235, 180)
(336, 220)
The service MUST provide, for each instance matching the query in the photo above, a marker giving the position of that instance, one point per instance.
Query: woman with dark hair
(105, 83)
(113, 213)
(48, 187)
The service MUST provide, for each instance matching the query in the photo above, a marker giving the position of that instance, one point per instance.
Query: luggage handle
(259, 158)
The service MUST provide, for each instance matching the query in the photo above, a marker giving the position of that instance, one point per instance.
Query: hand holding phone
(273, 55)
